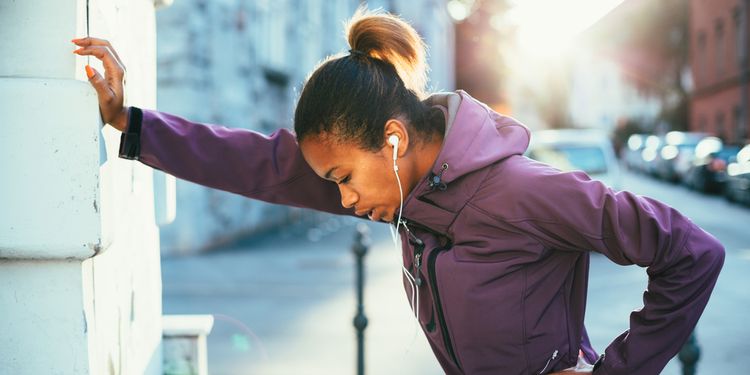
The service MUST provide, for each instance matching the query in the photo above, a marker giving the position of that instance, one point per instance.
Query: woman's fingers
(103, 91)
(89, 41)
(114, 73)
(107, 56)
(110, 87)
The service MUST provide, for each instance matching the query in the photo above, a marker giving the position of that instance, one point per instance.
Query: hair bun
(391, 39)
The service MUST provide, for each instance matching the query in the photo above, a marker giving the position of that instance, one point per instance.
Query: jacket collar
(476, 138)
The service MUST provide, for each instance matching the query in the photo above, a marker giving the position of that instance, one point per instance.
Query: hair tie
(356, 52)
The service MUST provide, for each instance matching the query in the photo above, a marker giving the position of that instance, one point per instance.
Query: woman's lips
(371, 214)
(363, 212)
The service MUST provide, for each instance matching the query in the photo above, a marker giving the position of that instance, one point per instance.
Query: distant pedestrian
(495, 245)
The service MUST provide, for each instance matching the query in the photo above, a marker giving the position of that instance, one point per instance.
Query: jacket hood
(476, 136)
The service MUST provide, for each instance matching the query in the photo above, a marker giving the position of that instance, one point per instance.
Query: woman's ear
(397, 128)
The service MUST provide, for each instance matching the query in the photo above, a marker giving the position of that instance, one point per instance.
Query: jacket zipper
(432, 258)
(554, 355)
(436, 298)
(418, 249)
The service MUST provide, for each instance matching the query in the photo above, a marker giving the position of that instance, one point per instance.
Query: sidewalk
(286, 307)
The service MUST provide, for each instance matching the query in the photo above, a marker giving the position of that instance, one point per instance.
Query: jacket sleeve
(569, 211)
(268, 168)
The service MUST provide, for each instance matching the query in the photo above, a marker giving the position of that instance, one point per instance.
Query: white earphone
(393, 141)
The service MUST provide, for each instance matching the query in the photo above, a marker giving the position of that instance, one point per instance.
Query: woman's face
(365, 179)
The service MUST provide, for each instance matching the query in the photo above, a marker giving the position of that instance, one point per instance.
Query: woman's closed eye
(345, 179)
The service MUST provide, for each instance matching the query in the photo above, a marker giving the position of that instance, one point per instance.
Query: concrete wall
(242, 63)
(79, 254)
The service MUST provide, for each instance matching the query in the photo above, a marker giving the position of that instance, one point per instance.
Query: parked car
(677, 154)
(708, 171)
(737, 187)
(586, 150)
(631, 153)
(650, 154)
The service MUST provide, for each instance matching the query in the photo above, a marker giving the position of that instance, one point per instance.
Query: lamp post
(359, 248)
(689, 355)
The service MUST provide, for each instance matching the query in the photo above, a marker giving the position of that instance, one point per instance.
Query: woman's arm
(237, 160)
(571, 212)
(269, 168)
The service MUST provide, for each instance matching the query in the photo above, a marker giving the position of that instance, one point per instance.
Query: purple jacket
(500, 242)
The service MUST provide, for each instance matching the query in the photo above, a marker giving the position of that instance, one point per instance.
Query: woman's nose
(348, 197)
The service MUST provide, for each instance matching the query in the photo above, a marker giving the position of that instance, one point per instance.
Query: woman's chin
(374, 216)
(381, 216)
(388, 219)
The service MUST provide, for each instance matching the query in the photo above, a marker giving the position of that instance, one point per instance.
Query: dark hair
(351, 97)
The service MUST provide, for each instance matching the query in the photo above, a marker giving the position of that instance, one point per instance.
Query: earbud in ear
(393, 140)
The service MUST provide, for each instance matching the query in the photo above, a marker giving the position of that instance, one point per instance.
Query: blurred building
(721, 71)
(241, 63)
(628, 68)
(602, 96)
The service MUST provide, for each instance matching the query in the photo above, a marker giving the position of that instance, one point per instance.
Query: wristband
(130, 139)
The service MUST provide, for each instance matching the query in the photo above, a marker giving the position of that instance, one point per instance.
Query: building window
(721, 130)
(702, 56)
(720, 50)
(736, 15)
(739, 35)
(738, 125)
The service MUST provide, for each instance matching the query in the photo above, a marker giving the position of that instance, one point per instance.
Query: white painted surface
(187, 325)
(50, 25)
(49, 150)
(77, 312)
(43, 326)
(123, 285)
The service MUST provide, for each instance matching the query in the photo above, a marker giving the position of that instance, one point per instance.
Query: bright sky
(546, 27)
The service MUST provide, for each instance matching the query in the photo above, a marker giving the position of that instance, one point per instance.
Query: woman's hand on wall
(110, 88)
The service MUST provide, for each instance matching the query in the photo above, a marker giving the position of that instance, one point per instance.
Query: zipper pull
(418, 249)
(417, 274)
(554, 355)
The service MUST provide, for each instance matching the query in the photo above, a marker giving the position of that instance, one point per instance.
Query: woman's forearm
(269, 168)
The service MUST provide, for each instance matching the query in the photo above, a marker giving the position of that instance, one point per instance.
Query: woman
(495, 246)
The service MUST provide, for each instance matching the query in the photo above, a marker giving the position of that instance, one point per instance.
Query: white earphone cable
(412, 282)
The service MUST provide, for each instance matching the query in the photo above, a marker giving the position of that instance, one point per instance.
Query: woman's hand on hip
(582, 367)
(110, 88)
(574, 371)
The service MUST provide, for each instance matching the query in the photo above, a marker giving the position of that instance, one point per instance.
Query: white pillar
(79, 255)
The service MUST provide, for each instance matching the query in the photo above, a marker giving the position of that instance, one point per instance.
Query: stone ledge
(187, 325)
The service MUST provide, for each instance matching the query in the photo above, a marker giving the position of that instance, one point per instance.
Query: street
(284, 304)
